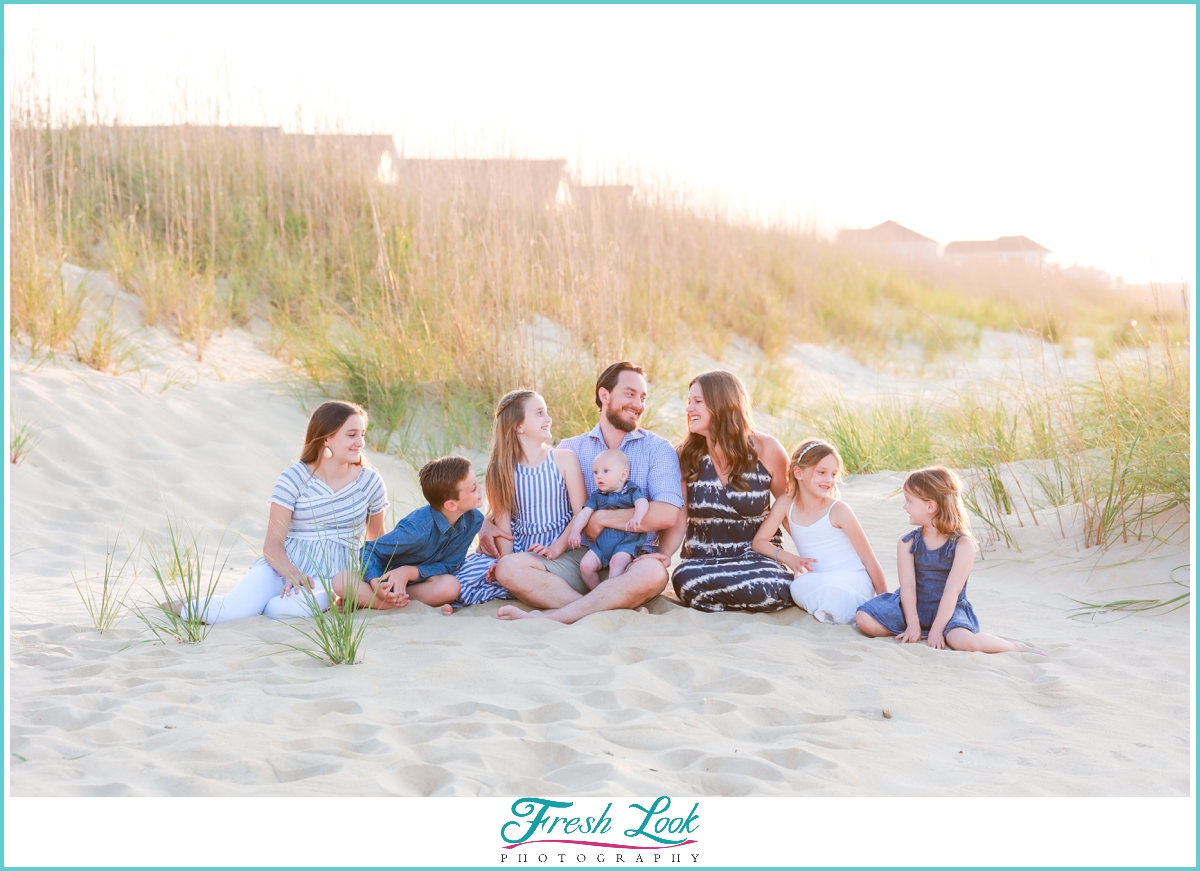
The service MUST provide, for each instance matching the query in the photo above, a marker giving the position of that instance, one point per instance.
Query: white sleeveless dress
(838, 584)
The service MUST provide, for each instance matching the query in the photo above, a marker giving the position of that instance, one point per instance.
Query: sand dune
(671, 702)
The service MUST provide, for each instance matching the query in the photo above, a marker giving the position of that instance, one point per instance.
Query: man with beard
(556, 587)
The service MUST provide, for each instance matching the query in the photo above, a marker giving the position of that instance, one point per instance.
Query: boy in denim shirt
(418, 558)
(615, 548)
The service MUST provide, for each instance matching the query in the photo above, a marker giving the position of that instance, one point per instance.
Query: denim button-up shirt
(424, 539)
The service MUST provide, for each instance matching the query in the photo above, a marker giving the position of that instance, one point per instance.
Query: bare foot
(512, 612)
(642, 609)
(447, 610)
(1025, 648)
(172, 607)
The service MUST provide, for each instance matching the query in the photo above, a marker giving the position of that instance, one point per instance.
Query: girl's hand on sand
(909, 635)
(291, 586)
(936, 640)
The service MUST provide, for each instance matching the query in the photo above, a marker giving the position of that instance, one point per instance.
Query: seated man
(556, 587)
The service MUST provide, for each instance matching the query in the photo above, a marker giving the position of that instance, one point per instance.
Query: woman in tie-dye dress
(533, 491)
(730, 473)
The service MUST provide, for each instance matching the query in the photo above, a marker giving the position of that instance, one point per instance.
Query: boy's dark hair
(609, 377)
(440, 479)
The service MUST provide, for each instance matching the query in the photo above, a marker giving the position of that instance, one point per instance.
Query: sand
(673, 702)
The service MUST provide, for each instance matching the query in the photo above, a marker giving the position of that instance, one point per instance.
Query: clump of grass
(336, 632)
(23, 437)
(888, 434)
(104, 595)
(107, 349)
(42, 307)
(187, 579)
(1128, 606)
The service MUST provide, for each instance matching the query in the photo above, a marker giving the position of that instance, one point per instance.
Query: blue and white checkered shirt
(653, 465)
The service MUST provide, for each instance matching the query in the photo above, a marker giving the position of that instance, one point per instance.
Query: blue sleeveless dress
(542, 512)
(932, 568)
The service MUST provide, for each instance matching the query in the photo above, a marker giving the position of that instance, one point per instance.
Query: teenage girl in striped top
(533, 493)
(320, 508)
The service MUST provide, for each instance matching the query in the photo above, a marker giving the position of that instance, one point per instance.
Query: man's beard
(621, 423)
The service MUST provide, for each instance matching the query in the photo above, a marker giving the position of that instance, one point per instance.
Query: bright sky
(1075, 126)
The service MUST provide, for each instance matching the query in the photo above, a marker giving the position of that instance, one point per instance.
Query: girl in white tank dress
(836, 570)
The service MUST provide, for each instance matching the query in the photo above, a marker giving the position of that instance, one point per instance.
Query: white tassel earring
(328, 453)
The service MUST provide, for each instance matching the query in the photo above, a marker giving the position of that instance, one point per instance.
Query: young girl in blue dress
(934, 561)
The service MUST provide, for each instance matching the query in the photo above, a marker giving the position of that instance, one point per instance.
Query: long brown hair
(730, 427)
(326, 421)
(807, 454)
(500, 479)
(943, 487)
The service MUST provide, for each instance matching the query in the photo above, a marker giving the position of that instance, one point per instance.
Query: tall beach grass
(423, 291)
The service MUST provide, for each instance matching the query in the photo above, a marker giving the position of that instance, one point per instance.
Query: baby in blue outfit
(614, 548)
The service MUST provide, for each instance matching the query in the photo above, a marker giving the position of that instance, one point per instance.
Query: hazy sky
(1075, 126)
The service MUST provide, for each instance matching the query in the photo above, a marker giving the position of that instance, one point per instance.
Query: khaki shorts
(567, 568)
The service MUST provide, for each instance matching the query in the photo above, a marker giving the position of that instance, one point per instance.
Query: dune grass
(23, 437)
(425, 292)
(336, 633)
(104, 595)
(187, 576)
(1117, 448)
(427, 297)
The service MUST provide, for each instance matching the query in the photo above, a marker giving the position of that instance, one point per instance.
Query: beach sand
(671, 702)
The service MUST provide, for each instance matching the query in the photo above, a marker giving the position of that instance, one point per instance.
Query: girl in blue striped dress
(320, 508)
(533, 493)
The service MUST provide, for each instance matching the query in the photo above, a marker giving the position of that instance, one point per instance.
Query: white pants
(258, 593)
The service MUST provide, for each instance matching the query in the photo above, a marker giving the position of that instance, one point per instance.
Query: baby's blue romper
(612, 541)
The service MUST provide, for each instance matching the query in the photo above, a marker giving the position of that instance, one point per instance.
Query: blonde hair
(807, 454)
(500, 479)
(943, 487)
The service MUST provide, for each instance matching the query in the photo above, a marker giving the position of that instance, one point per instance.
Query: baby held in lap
(614, 548)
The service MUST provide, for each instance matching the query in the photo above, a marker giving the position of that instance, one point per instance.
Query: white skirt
(833, 597)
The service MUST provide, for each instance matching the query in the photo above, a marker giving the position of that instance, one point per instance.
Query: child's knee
(868, 625)
(959, 638)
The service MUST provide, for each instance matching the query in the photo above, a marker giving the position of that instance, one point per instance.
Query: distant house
(1007, 249)
(540, 181)
(608, 199)
(375, 151)
(1090, 275)
(891, 240)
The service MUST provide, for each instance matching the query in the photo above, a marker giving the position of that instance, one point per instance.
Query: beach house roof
(886, 233)
(1003, 245)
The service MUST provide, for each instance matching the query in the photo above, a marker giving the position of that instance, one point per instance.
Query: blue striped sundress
(327, 527)
(542, 512)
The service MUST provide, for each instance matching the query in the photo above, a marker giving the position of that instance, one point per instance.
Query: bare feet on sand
(447, 610)
(512, 612)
